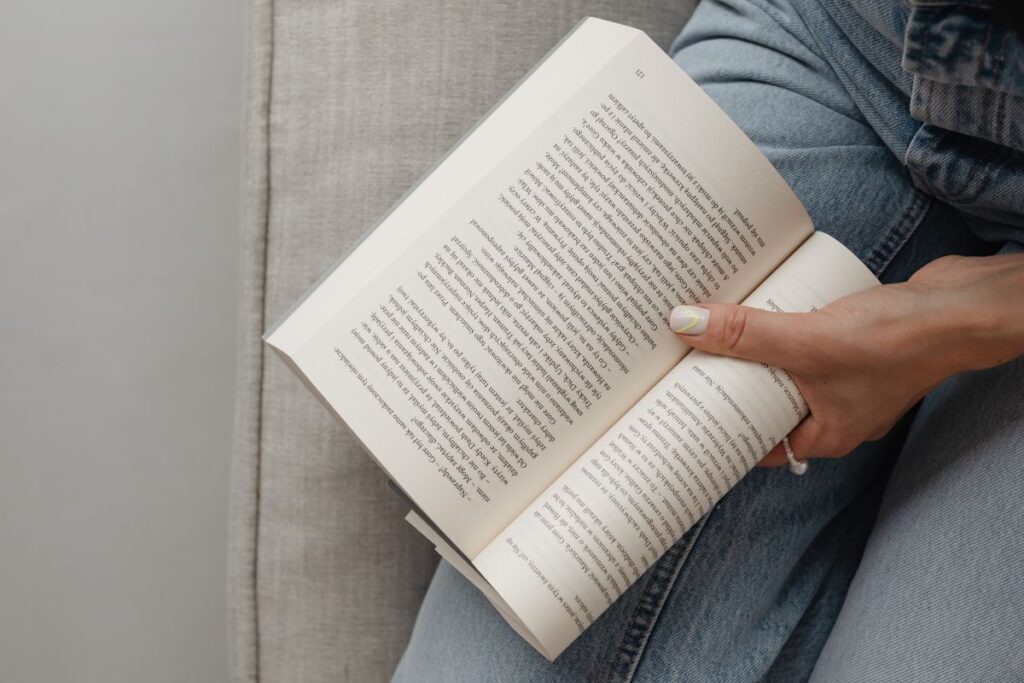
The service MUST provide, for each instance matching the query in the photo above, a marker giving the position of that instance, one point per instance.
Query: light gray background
(119, 210)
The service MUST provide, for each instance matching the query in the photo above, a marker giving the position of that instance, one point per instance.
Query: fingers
(810, 439)
(805, 440)
(742, 332)
(776, 457)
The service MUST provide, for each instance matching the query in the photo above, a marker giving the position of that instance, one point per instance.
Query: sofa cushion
(349, 104)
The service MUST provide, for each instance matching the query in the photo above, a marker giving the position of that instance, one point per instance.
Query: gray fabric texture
(348, 105)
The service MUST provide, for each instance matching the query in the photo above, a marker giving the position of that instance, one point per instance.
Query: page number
(640, 74)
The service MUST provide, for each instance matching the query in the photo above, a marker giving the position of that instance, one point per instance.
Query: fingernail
(689, 320)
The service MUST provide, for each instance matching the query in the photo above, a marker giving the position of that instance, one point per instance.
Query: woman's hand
(864, 360)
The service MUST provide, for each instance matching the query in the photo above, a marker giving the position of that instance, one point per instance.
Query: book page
(665, 464)
(496, 346)
(464, 567)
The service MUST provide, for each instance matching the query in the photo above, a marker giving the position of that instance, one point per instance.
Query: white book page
(580, 55)
(485, 357)
(636, 491)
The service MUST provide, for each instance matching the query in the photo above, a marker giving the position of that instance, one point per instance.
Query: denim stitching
(650, 605)
(887, 248)
(1002, 126)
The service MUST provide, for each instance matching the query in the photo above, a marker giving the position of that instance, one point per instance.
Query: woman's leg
(939, 595)
(766, 571)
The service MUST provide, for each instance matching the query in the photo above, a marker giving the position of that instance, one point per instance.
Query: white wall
(119, 211)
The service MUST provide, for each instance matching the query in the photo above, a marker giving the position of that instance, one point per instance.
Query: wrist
(975, 330)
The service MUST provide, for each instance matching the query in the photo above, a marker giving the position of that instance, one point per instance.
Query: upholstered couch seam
(245, 477)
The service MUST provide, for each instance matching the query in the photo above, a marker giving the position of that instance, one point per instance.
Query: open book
(500, 345)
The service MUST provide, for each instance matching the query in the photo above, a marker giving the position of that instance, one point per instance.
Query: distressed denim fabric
(968, 72)
(943, 85)
(764, 584)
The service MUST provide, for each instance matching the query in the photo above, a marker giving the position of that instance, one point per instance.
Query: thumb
(740, 331)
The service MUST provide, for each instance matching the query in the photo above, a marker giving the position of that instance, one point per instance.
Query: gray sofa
(348, 104)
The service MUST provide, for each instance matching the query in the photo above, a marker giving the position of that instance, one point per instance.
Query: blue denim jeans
(904, 560)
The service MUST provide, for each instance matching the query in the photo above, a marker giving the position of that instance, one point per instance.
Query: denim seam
(649, 607)
(1001, 128)
(886, 249)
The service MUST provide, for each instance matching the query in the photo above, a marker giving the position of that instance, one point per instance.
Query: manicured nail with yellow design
(689, 319)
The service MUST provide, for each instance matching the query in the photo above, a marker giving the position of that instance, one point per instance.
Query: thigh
(759, 60)
(938, 595)
(460, 637)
